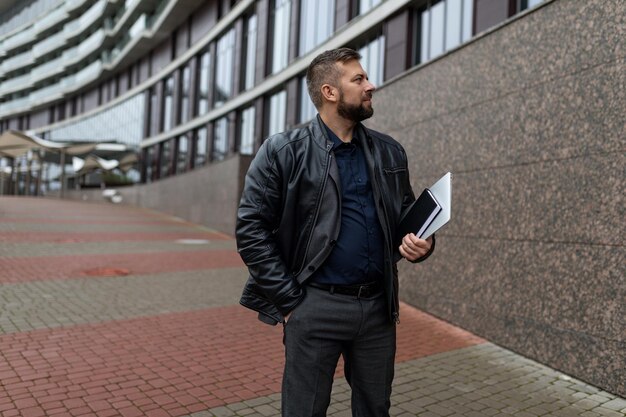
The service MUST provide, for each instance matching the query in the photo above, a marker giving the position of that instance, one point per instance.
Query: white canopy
(14, 143)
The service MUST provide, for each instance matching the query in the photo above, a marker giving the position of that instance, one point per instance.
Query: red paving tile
(27, 269)
(70, 237)
(178, 363)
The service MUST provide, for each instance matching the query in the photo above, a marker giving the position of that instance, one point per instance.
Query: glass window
(166, 158)
(425, 32)
(148, 163)
(168, 92)
(220, 139)
(365, 5)
(224, 61)
(185, 88)
(250, 56)
(468, 19)
(200, 151)
(203, 83)
(443, 26)
(527, 4)
(317, 20)
(280, 23)
(154, 110)
(307, 108)
(454, 10)
(246, 144)
(182, 154)
(373, 60)
(278, 112)
(437, 15)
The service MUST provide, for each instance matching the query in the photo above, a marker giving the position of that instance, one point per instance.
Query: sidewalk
(111, 310)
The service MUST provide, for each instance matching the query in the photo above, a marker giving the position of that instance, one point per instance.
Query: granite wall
(529, 117)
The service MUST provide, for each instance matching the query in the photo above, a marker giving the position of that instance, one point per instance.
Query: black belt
(358, 290)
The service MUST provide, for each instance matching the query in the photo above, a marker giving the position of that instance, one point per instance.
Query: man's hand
(413, 248)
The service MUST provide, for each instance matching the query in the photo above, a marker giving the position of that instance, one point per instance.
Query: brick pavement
(104, 312)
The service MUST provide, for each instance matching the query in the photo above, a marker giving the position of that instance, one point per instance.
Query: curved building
(523, 100)
(190, 82)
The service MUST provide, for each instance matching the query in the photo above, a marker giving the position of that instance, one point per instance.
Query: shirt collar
(338, 142)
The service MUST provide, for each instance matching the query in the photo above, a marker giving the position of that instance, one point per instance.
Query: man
(316, 228)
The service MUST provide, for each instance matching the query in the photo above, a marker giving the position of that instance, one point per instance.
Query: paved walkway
(116, 311)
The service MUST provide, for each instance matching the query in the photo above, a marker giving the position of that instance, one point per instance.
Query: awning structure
(14, 143)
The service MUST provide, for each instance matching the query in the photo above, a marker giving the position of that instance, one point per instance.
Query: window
(278, 111)
(250, 56)
(182, 154)
(366, 5)
(280, 23)
(246, 143)
(317, 20)
(148, 163)
(200, 150)
(527, 4)
(185, 88)
(154, 110)
(203, 83)
(224, 61)
(168, 92)
(166, 158)
(443, 25)
(220, 139)
(307, 108)
(373, 60)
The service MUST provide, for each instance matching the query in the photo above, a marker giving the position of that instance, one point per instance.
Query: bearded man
(316, 226)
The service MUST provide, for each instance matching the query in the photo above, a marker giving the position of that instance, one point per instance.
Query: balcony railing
(49, 20)
(13, 105)
(20, 38)
(48, 69)
(92, 43)
(18, 61)
(74, 4)
(49, 44)
(48, 93)
(89, 73)
(15, 84)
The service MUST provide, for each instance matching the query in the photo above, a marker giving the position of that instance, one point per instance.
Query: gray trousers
(323, 327)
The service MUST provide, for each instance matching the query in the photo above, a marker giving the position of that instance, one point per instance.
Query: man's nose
(370, 87)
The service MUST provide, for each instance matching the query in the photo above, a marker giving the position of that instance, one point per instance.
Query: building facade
(523, 100)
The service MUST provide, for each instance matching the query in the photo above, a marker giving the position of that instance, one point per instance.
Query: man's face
(355, 92)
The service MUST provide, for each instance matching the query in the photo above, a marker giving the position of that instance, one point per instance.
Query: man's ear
(330, 93)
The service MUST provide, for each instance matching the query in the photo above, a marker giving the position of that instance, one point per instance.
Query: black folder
(418, 216)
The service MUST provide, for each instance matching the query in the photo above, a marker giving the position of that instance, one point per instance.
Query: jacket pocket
(394, 170)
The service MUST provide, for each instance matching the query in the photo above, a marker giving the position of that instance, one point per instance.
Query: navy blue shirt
(357, 257)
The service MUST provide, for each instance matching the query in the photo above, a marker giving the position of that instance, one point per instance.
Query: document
(419, 215)
(422, 217)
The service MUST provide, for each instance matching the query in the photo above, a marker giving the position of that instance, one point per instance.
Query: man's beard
(356, 113)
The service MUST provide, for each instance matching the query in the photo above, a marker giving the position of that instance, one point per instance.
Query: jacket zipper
(317, 210)
(394, 308)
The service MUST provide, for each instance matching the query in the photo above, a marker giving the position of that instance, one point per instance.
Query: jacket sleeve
(258, 219)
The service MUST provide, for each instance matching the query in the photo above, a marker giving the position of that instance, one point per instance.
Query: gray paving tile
(532, 390)
(49, 304)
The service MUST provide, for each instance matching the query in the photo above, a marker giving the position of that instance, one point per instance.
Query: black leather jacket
(290, 214)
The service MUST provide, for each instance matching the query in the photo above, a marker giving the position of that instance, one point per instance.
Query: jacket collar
(320, 135)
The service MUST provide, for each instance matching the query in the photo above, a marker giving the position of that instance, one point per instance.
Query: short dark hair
(323, 70)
